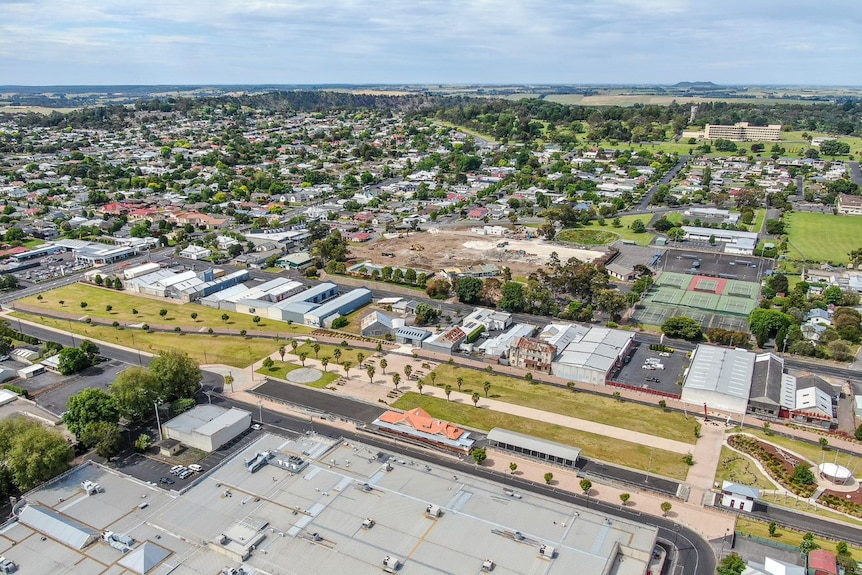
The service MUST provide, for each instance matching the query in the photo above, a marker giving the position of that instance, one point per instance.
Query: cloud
(415, 41)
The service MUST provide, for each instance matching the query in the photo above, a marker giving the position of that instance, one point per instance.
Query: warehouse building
(720, 378)
(534, 448)
(325, 314)
(207, 427)
(586, 353)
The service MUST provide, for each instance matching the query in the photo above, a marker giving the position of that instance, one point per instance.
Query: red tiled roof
(419, 420)
(823, 561)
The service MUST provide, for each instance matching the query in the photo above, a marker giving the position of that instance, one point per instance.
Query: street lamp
(158, 421)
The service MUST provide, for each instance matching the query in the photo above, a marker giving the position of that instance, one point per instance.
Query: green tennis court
(700, 300)
(736, 305)
(741, 289)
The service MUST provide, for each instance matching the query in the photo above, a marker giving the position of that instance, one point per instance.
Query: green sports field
(822, 237)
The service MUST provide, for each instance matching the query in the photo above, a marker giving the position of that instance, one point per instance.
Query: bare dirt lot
(452, 248)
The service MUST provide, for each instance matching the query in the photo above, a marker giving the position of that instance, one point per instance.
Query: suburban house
(849, 205)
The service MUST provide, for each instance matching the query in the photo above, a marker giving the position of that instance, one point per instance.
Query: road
(855, 173)
(666, 179)
(695, 555)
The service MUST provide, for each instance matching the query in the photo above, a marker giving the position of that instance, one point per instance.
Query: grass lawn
(589, 236)
(664, 463)
(148, 309)
(347, 354)
(808, 239)
(474, 133)
(598, 408)
(810, 452)
(739, 468)
(759, 216)
(229, 350)
(30, 244)
(674, 217)
(353, 325)
(791, 503)
(280, 369)
(787, 536)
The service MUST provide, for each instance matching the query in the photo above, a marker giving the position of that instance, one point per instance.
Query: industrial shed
(720, 378)
(208, 427)
(534, 448)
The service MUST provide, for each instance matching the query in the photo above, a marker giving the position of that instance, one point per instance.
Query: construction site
(520, 251)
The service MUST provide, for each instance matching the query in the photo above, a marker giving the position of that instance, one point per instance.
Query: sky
(104, 42)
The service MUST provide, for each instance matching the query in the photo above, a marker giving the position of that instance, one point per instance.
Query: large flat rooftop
(312, 522)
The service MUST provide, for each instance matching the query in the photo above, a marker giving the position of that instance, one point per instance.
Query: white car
(647, 366)
(257, 427)
(196, 468)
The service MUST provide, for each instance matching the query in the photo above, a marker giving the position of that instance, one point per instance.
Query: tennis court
(741, 289)
(700, 300)
(705, 284)
(735, 305)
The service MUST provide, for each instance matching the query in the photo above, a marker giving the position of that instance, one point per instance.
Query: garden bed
(780, 465)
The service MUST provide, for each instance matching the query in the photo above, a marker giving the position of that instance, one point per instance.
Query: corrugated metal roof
(534, 443)
(58, 527)
(725, 371)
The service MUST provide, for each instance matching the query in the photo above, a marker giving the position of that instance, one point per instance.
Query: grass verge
(229, 350)
(791, 502)
(787, 536)
(598, 408)
(808, 242)
(596, 446)
(148, 310)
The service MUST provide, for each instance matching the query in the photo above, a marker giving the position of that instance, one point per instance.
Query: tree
(419, 385)
(682, 327)
(396, 379)
(72, 360)
(611, 301)
(90, 349)
(665, 508)
(104, 437)
(548, 478)
(370, 371)
(228, 380)
(408, 369)
(479, 456)
(468, 289)
(624, 497)
(460, 381)
(267, 362)
(513, 467)
(638, 227)
(225, 317)
(143, 443)
(194, 316)
(858, 434)
(324, 361)
(586, 486)
(383, 365)
(315, 347)
(84, 305)
(108, 308)
(802, 474)
(425, 314)
(163, 312)
(833, 295)
(513, 297)
(302, 357)
(765, 323)
(281, 352)
(448, 391)
(676, 234)
(337, 355)
(475, 398)
(90, 406)
(256, 319)
(486, 387)
(733, 564)
(772, 528)
(360, 357)
(346, 367)
(134, 392)
(178, 374)
(31, 454)
(808, 544)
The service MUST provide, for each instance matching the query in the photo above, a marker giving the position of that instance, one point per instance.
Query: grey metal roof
(739, 489)
(725, 371)
(144, 558)
(766, 379)
(56, 526)
(534, 443)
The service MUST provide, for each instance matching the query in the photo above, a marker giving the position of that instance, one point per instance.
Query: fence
(644, 390)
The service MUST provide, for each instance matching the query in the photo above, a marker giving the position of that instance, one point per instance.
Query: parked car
(196, 468)
(257, 427)
(166, 480)
(185, 474)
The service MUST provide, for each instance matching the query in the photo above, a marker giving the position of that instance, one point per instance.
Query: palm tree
(448, 390)
(324, 361)
(302, 357)
(316, 347)
(419, 386)
(460, 381)
(383, 365)
(486, 386)
(294, 344)
(337, 355)
(475, 399)
(370, 371)
(360, 357)
(433, 376)
(346, 366)
(396, 379)
(407, 371)
(281, 352)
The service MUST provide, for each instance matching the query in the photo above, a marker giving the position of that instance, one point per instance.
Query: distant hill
(696, 85)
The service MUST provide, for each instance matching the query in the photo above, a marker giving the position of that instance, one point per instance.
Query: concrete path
(707, 454)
